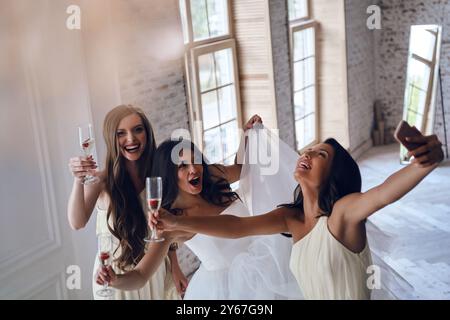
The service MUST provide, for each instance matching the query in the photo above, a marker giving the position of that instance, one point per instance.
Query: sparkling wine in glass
(104, 255)
(154, 197)
(87, 142)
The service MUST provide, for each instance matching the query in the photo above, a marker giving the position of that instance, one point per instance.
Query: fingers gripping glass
(154, 197)
(104, 254)
(86, 139)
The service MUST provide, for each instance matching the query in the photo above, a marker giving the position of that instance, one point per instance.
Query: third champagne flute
(154, 197)
(105, 256)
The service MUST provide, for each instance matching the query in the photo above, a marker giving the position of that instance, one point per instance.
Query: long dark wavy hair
(344, 179)
(129, 223)
(215, 190)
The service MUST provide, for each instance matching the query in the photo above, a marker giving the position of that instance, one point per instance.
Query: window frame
(194, 49)
(300, 25)
(191, 43)
(197, 108)
(300, 19)
(430, 94)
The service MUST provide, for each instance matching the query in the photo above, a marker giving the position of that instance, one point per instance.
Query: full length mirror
(422, 79)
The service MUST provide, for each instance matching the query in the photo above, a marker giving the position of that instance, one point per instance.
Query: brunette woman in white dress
(327, 219)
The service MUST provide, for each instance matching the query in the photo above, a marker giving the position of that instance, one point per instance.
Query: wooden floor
(418, 226)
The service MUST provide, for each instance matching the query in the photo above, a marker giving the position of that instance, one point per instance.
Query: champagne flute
(104, 254)
(87, 142)
(153, 187)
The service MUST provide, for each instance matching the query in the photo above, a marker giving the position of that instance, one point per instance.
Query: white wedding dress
(245, 268)
(252, 267)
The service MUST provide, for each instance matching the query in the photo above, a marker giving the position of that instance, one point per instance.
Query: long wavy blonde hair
(129, 223)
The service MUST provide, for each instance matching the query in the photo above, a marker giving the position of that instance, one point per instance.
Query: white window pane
(418, 74)
(423, 42)
(213, 148)
(206, 72)
(310, 99)
(310, 129)
(310, 71)
(299, 104)
(304, 43)
(299, 75)
(199, 19)
(300, 133)
(299, 45)
(224, 67)
(184, 20)
(227, 103)
(218, 18)
(310, 42)
(297, 9)
(210, 110)
(417, 99)
(304, 73)
(230, 141)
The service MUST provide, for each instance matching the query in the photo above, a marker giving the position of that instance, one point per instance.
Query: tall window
(211, 70)
(423, 53)
(304, 79)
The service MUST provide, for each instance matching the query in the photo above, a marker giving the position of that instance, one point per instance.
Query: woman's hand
(163, 220)
(180, 280)
(429, 153)
(250, 123)
(80, 167)
(105, 275)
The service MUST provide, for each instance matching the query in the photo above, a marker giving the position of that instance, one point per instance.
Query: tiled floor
(418, 225)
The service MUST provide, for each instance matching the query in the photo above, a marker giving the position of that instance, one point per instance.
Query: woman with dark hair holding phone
(327, 220)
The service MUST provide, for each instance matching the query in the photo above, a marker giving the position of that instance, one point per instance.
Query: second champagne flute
(153, 187)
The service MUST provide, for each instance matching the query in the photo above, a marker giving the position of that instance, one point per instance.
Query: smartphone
(403, 131)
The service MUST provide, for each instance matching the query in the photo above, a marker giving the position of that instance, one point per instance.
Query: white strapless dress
(246, 268)
(160, 285)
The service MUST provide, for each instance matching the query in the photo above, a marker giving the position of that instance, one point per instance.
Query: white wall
(43, 95)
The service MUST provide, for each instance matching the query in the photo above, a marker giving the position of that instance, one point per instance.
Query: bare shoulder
(342, 211)
(344, 204)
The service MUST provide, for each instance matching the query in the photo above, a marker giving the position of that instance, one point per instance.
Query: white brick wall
(391, 61)
(282, 70)
(150, 66)
(360, 74)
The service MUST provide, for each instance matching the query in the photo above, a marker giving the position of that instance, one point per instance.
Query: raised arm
(82, 198)
(226, 226)
(232, 172)
(358, 207)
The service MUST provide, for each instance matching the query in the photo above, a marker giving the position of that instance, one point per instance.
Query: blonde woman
(119, 199)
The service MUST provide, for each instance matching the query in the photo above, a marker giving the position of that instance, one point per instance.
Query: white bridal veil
(266, 181)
